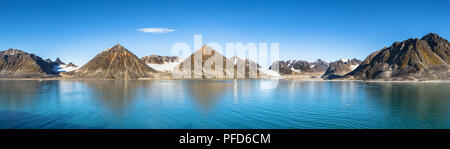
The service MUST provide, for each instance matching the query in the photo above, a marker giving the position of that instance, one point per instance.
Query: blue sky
(78, 30)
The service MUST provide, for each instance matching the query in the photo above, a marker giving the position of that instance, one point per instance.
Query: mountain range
(426, 58)
(340, 68)
(300, 67)
(162, 63)
(16, 63)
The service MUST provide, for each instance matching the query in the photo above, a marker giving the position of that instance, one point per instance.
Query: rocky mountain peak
(48, 60)
(432, 36)
(59, 62)
(157, 59)
(11, 52)
(115, 48)
(413, 59)
(320, 61)
(71, 65)
(341, 67)
(115, 63)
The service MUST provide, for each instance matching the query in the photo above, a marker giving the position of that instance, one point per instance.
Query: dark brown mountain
(115, 63)
(427, 58)
(157, 59)
(59, 62)
(71, 65)
(340, 68)
(296, 67)
(48, 60)
(18, 64)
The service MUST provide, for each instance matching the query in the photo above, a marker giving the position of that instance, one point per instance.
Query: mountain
(300, 67)
(62, 67)
(59, 62)
(319, 65)
(71, 65)
(245, 70)
(427, 58)
(59, 66)
(115, 63)
(340, 68)
(157, 59)
(19, 64)
(162, 63)
(210, 56)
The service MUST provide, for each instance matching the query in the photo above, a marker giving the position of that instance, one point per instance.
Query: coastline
(226, 79)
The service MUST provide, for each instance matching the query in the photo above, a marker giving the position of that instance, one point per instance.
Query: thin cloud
(155, 30)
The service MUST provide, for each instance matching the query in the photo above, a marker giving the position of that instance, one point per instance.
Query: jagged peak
(59, 62)
(71, 65)
(12, 51)
(154, 56)
(344, 59)
(320, 61)
(48, 60)
(431, 36)
(116, 47)
(433, 39)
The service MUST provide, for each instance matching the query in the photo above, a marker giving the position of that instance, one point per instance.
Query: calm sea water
(223, 104)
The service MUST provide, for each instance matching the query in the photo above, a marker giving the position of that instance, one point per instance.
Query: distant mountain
(247, 63)
(65, 68)
(319, 65)
(59, 62)
(300, 67)
(340, 68)
(427, 58)
(157, 59)
(59, 66)
(19, 64)
(71, 65)
(48, 60)
(162, 63)
(209, 55)
(115, 63)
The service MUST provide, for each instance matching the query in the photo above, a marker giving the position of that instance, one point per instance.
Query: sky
(76, 31)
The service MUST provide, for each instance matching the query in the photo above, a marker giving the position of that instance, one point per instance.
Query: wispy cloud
(155, 30)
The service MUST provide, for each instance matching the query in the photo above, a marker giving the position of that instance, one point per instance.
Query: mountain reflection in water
(223, 104)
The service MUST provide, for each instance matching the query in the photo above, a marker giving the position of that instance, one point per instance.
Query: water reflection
(15, 94)
(222, 104)
(206, 94)
(116, 95)
(423, 102)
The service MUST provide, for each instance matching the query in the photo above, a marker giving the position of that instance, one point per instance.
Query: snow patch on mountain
(344, 60)
(353, 67)
(296, 70)
(64, 68)
(269, 72)
(166, 67)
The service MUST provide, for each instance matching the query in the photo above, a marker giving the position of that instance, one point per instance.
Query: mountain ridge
(16, 63)
(427, 58)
